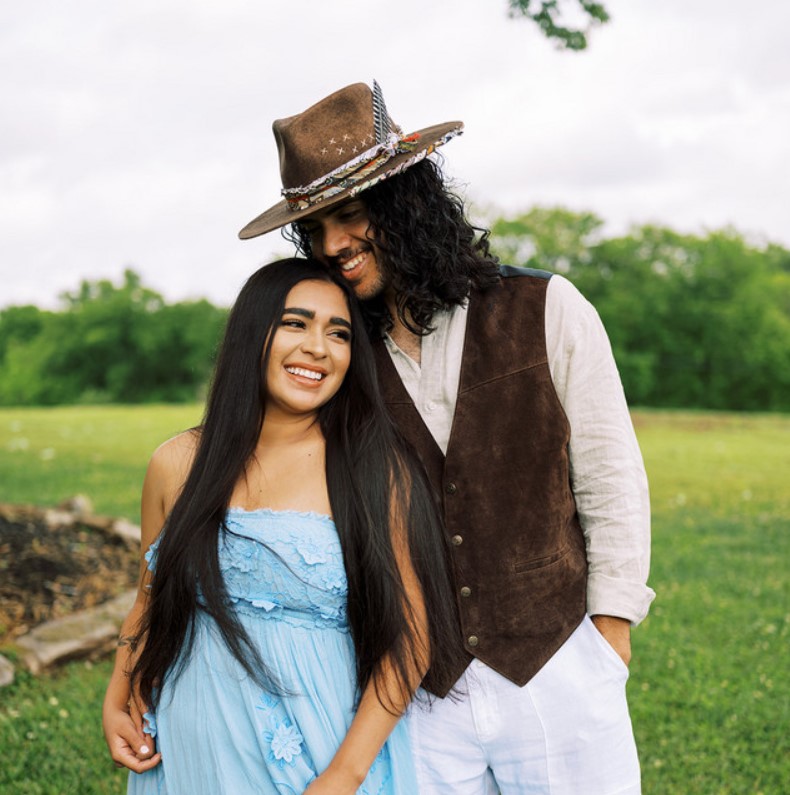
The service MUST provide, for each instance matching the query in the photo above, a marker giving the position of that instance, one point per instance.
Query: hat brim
(429, 138)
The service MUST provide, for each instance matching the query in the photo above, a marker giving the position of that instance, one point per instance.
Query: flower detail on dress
(334, 578)
(267, 702)
(311, 553)
(245, 556)
(286, 743)
(266, 604)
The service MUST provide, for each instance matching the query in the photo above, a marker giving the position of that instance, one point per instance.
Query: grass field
(709, 688)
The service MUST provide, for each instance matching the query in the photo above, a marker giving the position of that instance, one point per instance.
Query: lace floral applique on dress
(306, 580)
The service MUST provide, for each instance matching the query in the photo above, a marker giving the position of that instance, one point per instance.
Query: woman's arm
(122, 713)
(385, 700)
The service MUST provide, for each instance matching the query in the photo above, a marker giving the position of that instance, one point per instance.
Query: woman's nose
(314, 343)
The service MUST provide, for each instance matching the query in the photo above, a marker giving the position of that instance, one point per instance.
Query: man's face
(339, 238)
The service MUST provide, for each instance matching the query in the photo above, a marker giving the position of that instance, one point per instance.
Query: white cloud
(140, 133)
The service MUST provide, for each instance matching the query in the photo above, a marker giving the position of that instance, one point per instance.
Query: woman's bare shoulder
(170, 465)
(177, 452)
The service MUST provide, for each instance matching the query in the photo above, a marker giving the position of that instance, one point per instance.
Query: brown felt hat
(340, 146)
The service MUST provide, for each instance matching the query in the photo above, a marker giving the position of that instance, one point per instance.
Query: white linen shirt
(607, 473)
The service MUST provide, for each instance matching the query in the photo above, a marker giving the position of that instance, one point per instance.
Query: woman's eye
(342, 334)
(292, 323)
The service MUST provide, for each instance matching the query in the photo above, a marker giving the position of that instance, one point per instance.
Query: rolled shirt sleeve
(607, 472)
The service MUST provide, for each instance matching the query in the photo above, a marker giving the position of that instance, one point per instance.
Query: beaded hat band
(342, 145)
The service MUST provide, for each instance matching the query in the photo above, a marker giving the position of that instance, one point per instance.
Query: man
(503, 381)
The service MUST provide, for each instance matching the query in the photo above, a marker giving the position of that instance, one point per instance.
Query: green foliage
(708, 689)
(694, 321)
(19, 324)
(549, 238)
(109, 344)
(550, 17)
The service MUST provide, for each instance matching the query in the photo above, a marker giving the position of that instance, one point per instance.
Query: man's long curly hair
(432, 255)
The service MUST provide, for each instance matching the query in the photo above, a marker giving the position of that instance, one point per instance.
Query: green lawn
(709, 690)
(47, 455)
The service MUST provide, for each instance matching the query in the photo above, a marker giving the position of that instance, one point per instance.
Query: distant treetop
(567, 22)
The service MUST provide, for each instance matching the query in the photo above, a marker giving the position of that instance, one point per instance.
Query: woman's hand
(129, 745)
(332, 782)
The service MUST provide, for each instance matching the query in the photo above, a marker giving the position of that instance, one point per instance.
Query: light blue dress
(222, 734)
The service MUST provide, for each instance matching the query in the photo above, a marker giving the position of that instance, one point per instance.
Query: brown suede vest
(518, 549)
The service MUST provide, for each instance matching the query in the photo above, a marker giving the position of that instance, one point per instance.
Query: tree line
(695, 321)
(108, 344)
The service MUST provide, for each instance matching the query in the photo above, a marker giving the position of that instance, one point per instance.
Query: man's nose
(334, 239)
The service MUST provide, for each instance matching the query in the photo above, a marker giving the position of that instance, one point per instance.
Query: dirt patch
(48, 570)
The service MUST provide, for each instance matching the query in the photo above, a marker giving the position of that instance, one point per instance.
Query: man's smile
(348, 265)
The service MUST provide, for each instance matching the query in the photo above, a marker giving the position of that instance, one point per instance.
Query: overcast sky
(138, 134)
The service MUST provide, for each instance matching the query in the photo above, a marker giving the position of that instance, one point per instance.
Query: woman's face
(311, 349)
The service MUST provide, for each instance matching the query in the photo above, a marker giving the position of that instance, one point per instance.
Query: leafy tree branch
(567, 22)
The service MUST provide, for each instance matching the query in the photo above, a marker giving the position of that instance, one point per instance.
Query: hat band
(349, 174)
(404, 164)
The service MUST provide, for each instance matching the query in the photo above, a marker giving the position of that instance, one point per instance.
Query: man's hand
(617, 632)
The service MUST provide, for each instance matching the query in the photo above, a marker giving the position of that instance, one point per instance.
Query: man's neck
(409, 342)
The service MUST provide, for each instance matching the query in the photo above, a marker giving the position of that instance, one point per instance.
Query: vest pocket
(538, 563)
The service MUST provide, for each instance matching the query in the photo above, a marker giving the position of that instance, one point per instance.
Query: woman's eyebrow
(308, 313)
(296, 310)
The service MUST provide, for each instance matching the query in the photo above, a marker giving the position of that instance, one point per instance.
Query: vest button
(457, 540)
(473, 640)
(465, 591)
(451, 488)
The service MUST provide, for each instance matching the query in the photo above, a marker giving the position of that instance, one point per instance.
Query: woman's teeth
(306, 373)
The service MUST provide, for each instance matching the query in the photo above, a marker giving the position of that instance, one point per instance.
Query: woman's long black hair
(368, 467)
(431, 253)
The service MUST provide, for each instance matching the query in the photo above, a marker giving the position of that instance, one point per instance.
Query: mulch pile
(47, 572)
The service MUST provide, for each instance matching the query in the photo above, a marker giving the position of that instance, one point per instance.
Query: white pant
(566, 732)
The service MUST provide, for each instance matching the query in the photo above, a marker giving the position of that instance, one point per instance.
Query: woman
(293, 602)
